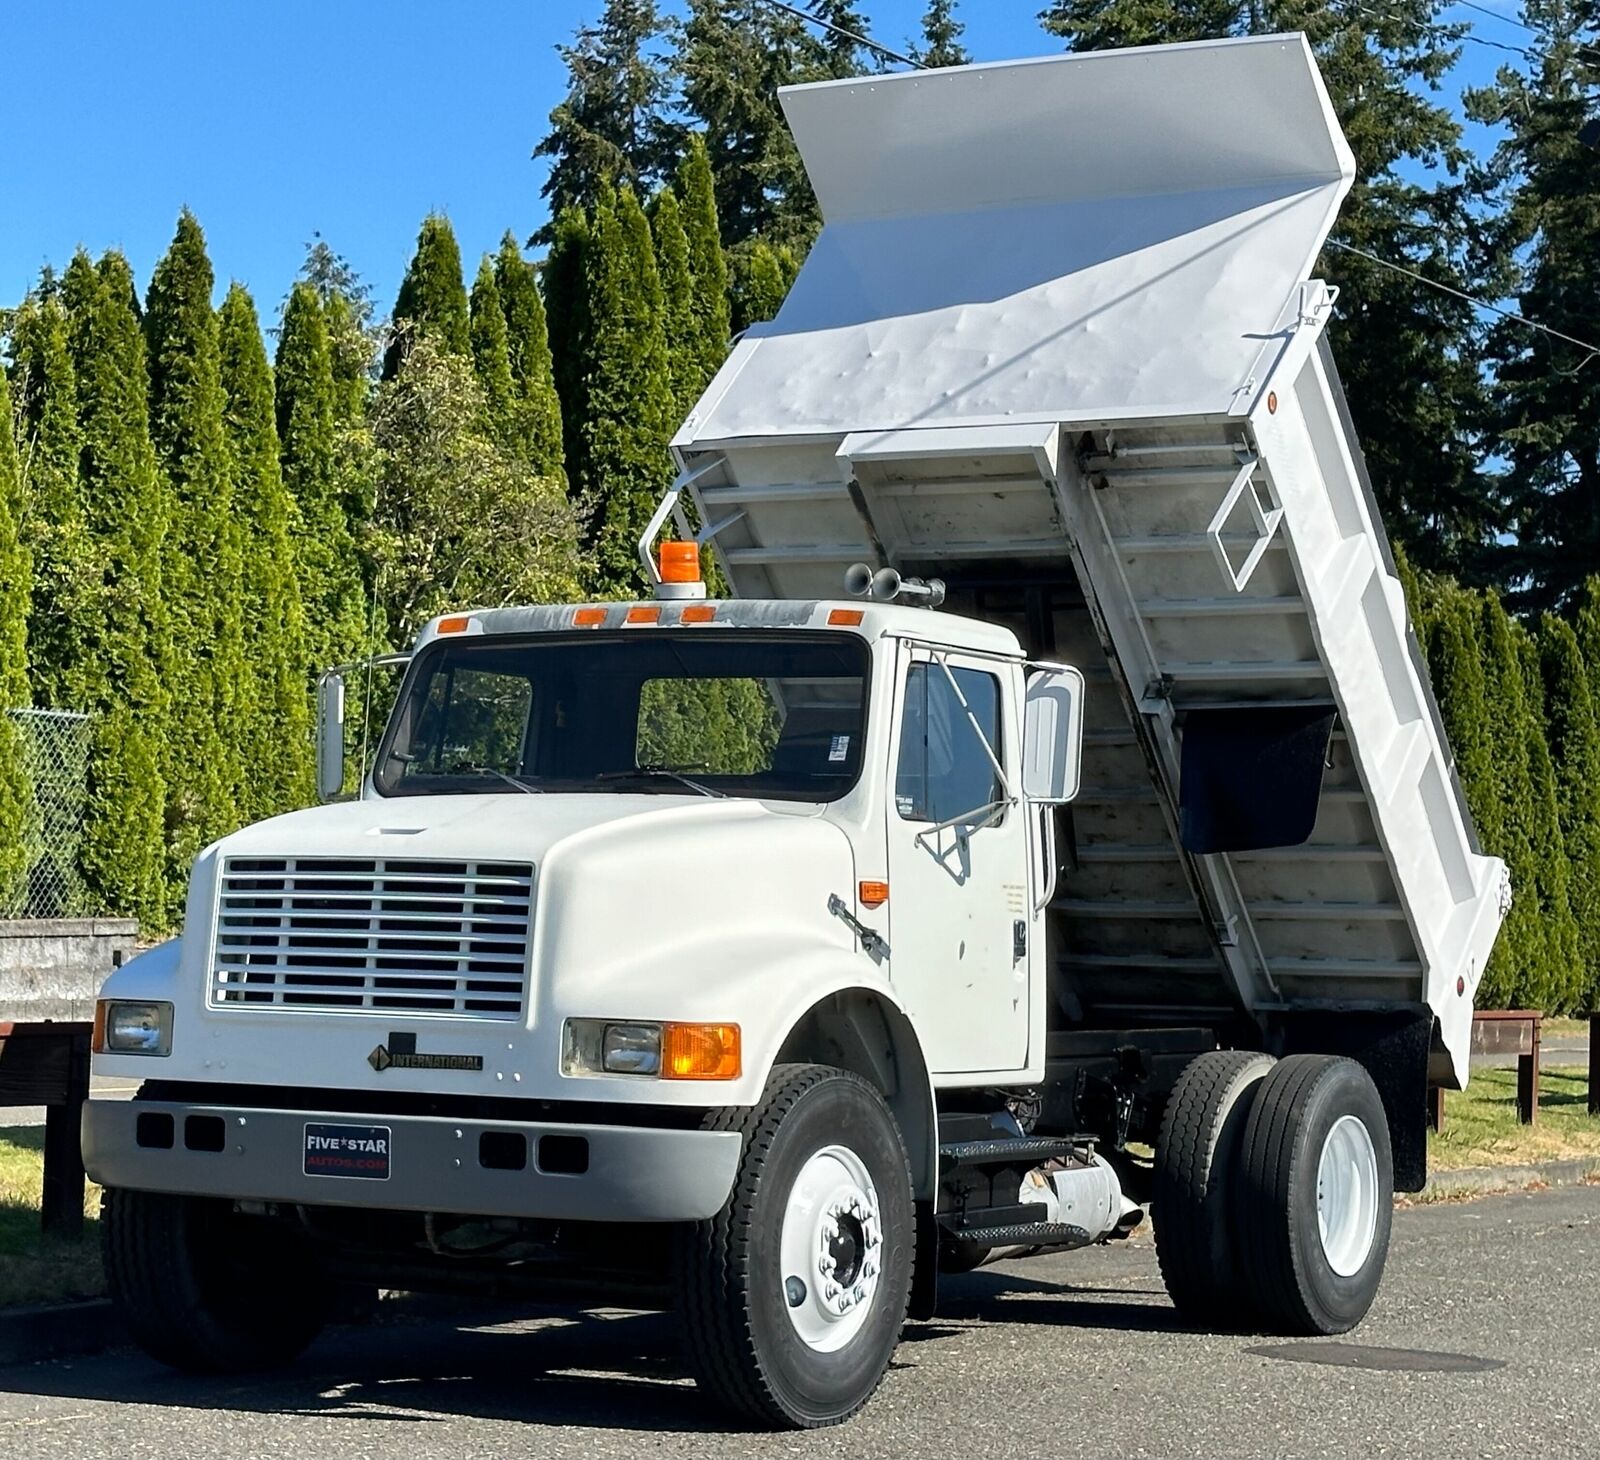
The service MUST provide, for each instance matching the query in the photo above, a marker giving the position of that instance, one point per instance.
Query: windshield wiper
(669, 772)
(489, 770)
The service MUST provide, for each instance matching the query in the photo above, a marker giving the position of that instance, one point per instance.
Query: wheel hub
(1347, 1196)
(831, 1248)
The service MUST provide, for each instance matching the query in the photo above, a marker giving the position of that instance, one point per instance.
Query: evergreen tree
(353, 339)
(1575, 750)
(1407, 353)
(1543, 222)
(1588, 626)
(566, 298)
(612, 127)
(677, 302)
(708, 268)
(628, 405)
(331, 588)
(836, 49)
(432, 297)
(16, 575)
(65, 592)
(941, 36)
(759, 285)
(532, 368)
(202, 562)
(1554, 875)
(733, 56)
(122, 853)
(275, 721)
(491, 358)
(1532, 962)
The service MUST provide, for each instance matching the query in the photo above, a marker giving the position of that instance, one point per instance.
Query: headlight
(664, 1051)
(128, 1026)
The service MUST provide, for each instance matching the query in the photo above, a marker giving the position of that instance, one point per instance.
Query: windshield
(716, 713)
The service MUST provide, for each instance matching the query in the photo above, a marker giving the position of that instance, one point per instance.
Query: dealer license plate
(347, 1150)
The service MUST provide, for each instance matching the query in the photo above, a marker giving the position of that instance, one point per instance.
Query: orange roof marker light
(644, 613)
(589, 618)
(678, 571)
(455, 623)
(849, 618)
(698, 613)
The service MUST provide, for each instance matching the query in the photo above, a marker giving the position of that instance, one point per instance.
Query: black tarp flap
(1251, 777)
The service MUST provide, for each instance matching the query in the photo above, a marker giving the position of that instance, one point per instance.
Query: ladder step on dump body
(1059, 344)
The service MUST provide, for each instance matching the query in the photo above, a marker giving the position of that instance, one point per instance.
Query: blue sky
(277, 119)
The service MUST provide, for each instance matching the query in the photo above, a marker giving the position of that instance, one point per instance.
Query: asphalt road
(1485, 1341)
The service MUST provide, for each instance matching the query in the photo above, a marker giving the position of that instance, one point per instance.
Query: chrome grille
(373, 936)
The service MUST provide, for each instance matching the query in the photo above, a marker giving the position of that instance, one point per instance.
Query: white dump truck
(1052, 819)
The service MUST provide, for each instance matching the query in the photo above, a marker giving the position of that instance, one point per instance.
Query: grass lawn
(1481, 1128)
(35, 1268)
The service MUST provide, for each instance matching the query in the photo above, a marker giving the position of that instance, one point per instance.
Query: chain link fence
(54, 746)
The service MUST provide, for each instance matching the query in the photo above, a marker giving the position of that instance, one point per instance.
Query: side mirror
(1052, 735)
(330, 735)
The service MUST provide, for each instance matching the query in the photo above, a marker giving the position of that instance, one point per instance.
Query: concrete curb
(1486, 1180)
(59, 1331)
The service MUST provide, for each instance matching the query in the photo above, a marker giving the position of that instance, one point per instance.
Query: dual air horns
(887, 586)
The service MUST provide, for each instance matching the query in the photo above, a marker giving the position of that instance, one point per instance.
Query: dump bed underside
(1080, 374)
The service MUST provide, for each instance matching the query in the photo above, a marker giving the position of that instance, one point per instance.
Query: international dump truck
(1053, 818)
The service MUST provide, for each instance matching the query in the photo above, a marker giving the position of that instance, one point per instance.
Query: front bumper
(630, 1173)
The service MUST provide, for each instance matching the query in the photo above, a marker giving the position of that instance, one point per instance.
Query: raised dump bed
(1058, 344)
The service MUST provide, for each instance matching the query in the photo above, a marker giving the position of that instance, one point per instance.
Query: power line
(849, 35)
(1472, 299)
(1493, 14)
(1466, 34)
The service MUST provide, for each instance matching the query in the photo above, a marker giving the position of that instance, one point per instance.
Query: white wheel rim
(1347, 1196)
(832, 1249)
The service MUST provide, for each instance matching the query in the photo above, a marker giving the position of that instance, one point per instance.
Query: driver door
(959, 925)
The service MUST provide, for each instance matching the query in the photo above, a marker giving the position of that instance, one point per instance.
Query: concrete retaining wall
(51, 968)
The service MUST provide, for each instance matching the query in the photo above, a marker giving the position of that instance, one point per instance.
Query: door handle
(1019, 941)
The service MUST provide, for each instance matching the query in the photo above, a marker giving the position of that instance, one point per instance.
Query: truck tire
(207, 1291)
(793, 1296)
(1314, 1196)
(1197, 1151)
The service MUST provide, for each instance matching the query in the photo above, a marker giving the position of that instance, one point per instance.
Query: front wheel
(206, 1290)
(793, 1296)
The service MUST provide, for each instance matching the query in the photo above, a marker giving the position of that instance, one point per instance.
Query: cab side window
(944, 771)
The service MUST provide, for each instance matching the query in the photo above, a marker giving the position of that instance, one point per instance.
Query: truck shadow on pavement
(597, 1370)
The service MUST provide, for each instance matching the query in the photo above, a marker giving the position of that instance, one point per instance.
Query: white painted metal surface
(1058, 316)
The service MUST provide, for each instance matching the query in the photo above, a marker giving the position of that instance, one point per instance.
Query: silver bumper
(629, 1173)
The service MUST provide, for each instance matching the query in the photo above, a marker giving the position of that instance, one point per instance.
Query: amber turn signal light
(700, 1052)
(873, 894)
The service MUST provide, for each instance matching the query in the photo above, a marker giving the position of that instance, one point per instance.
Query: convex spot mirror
(1052, 735)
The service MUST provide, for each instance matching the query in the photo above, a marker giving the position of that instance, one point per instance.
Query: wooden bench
(1503, 1031)
(48, 1064)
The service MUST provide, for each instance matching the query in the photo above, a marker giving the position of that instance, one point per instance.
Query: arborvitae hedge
(491, 358)
(126, 671)
(65, 589)
(16, 800)
(331, 589)
(708, 267)
(677, 301)
(432, 298)
(628, 406)
(566, 297)
(1574, 737)
(532, 368)
(202, 558)
(274, 737)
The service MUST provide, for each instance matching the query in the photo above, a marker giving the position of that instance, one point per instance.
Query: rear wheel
(1315, 1195)
(1196, 1157)
(793, 1296)
(206, 1290)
